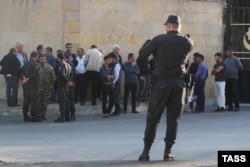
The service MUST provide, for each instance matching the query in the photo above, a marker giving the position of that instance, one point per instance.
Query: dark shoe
(73, 117)
(60, 119)
(14, 105)
(230, 109)
(222, 109)
(35, 119)
(82, 103)
(135, 112)
(26, 118)
(116, 113)
(144, 156)
(168, 157)
(43, 117)
(125, 111)
(218, 109)
(237, 109)
(93, 103)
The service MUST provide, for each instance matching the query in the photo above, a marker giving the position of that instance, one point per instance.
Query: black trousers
(94, 77)
(130, 87)
(199, 91)
(30, 99)
(231, 91)
(117, 90)
(63, 95)
(79, 87)
(107, 91)
(170, 94)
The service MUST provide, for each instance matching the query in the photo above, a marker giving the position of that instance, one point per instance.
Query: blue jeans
(143, 89)
(11, 89)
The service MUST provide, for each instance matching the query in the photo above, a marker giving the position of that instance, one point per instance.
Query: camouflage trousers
(42, 103)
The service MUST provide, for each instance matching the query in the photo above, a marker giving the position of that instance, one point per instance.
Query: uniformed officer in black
(30, 80)
(63, 76)
(170, 52)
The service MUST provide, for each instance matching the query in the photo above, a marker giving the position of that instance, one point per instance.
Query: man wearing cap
(170, 52)
(233, 65)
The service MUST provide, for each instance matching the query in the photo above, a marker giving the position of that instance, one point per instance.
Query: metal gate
(237, 35)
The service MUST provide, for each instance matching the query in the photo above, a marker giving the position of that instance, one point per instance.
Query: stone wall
(106, 22)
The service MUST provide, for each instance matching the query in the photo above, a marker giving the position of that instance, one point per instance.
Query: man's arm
(217, 70)
(147, 49)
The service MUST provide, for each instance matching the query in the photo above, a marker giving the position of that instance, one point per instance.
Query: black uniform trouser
(231, 91)
(130, 87)
(63, 102)
(30, 99)
(71, 99)
(107, 90)
(170, 94)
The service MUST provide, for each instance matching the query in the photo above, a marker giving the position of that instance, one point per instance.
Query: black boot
(26, 117)
(145, 153)
(167, 153)
(67, 117)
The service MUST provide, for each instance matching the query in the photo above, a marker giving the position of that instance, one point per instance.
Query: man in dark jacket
(10, 70)
(170, 52)
(30, 80)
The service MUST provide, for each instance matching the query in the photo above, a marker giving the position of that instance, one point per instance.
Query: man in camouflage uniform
(46, 82)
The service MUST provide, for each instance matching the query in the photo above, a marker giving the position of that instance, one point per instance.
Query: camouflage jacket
(46, 76)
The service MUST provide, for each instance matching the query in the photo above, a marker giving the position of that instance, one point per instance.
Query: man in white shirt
(80, 71)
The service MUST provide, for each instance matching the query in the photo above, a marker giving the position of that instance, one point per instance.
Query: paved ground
(93, 141)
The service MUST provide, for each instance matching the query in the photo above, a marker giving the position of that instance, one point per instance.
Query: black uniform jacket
(170, 52)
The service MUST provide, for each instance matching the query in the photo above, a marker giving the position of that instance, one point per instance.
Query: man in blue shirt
(200, 78)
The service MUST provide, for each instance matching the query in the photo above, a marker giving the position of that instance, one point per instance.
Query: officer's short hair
(130, 55)
(33, 54)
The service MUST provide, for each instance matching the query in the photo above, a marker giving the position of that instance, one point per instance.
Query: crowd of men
(64, 79)
(225, 71)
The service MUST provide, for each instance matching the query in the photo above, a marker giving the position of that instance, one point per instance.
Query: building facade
(106, 22)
